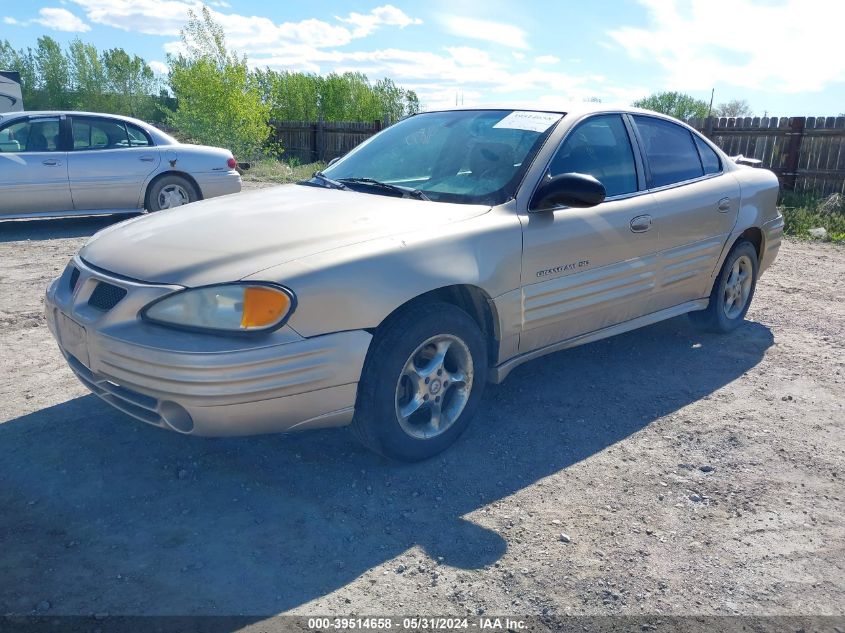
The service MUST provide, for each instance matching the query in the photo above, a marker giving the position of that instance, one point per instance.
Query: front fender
(358, 286)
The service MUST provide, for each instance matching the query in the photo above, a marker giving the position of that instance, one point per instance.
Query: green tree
(677, 104)
(89, 78)
(130, 82)
(218, 100)
(734, 108)
(53, 75)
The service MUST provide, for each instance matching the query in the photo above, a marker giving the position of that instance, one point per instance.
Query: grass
(802, 212)
(272, 170)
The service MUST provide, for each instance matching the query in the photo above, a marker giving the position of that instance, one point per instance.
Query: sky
(785, 57)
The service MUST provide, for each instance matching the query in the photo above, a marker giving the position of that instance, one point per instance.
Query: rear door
(696, 207)
(586, 269)
(109, 164)
(33, 167)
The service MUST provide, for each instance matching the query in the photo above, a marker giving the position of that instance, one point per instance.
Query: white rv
(10, 92)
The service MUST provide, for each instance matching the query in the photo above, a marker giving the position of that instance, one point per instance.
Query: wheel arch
(754, 235)
(472, 299)
(171, 172)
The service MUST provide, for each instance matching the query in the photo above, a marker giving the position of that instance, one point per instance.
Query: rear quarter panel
(759, 189)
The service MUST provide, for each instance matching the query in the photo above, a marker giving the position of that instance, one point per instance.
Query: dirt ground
(661, 471)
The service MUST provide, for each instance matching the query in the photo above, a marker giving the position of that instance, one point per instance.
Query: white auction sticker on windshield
(525, 120)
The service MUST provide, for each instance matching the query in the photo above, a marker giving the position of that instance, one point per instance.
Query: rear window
(670, 150)
(709, 158)
(99, 134)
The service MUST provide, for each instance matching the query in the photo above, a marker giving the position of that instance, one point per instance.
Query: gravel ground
(661, 471)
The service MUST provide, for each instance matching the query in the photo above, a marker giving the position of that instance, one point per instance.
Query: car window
(601, 148)
(670, 151)
(463, 156)
(137, 137)
(709, 158)
(89, 133)
(34, 135)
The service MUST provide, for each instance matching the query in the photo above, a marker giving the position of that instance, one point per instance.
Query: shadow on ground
(56, 228)
(104, 514)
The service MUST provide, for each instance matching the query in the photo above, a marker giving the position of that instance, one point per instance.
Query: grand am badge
(584, 263)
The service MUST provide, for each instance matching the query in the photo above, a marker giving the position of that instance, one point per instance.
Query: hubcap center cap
(434, 386)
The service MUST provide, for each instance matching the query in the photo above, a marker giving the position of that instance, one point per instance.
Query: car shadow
(105, 514)
(57, 228)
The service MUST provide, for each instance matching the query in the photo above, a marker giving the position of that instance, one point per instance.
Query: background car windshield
(468, 156)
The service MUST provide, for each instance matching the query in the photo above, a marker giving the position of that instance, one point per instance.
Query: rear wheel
(732, 291)
(422, 382)
(170, 192)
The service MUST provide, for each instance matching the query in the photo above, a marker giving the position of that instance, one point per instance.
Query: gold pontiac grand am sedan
(385, 291)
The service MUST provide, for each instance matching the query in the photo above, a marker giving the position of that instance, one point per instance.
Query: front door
(33, 168)
(109, 164)
(587, 269)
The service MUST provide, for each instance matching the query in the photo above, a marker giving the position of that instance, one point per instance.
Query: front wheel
(732, 292)
(422, 381)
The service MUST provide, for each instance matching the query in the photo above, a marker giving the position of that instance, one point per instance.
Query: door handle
(724, 205)
(147, 159)
(641, 223)
(51, 162)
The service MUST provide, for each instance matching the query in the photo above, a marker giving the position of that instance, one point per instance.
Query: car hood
(231, 237)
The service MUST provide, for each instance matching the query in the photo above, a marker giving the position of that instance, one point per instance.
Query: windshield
(464, 156)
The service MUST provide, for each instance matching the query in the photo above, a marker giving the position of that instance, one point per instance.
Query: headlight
(236, 307)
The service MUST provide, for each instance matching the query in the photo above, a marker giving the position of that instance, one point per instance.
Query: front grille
(106, 296)
(74, 277)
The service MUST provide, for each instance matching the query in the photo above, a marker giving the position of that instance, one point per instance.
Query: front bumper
(198, 383)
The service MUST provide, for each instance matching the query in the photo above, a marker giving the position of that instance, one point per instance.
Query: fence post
(321, 140)
(793, 151)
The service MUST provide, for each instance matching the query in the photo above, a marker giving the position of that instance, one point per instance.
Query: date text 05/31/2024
(417, 624)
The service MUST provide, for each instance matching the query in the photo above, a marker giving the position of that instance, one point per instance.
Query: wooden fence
(309, 141)
(806, 153)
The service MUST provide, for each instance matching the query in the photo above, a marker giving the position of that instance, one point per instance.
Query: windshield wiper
(324, 181)
(403, 191)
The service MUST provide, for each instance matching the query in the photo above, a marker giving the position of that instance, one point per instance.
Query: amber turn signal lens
(263, 306)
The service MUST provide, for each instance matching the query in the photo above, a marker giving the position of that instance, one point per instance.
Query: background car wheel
(732, 291)
(422, 381)
(170, 192)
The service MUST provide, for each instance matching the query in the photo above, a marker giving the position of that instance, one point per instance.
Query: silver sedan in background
(82, 163)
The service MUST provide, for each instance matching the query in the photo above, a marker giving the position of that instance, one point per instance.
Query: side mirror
(571, 190)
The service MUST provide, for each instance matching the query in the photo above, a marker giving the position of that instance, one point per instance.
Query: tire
(723, 314)
(401, 375)
(166, 192)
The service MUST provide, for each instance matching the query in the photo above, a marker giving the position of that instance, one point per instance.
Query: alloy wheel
(434, 386)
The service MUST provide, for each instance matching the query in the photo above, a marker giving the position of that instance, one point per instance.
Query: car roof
(562, 106)
(71, 113)
(160, 136)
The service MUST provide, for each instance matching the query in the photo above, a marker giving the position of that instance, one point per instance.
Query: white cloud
(388, 15)
(160, 68)
(517, 55)
(547, 59)
(8, 20)
(698, 46)
(489, 31)
(60, 20)
(152, 17)
(244, 33)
